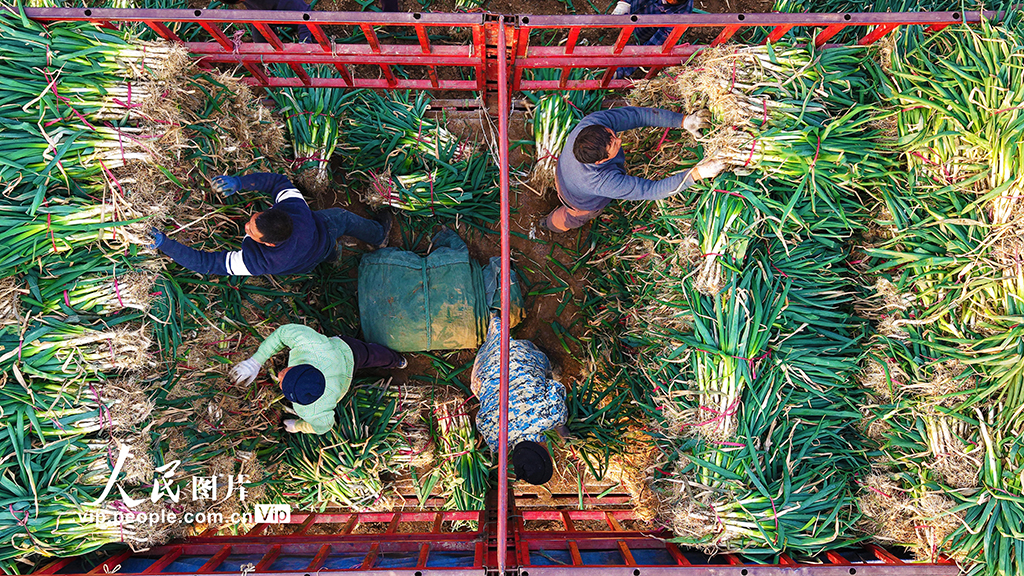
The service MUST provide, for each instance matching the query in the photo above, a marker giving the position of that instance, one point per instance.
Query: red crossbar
(479, 61)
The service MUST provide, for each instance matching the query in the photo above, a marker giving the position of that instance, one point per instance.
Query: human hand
(158, 238)
(290, 425)
(226, 185)
(621, 8)
(245, 372)
(693, 123)
(709, 168)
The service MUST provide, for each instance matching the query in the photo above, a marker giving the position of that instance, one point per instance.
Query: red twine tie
(127, 104)
(662, 141)
(117, 292)
(753, 147)
(24, 521)
(48, 227)
(303, 159)
(729, 411)
(731, 193)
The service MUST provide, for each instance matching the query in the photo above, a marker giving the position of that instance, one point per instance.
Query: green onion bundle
(411, 162)
(312, 116)
(441, 192)
(463, 468)
(343, 466)
(55, 229)
(780, 484)
(723, 229)
(731, 331)
(552, 121)
(56, 350)
(778, 85)
(554, 115)
(87, 288)
(45, 493)
(393, 130)
(54, 128)
(959, 95)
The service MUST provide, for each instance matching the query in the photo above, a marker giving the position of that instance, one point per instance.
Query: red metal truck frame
(501, 71)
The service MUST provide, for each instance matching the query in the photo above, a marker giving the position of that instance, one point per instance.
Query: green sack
(413, 303)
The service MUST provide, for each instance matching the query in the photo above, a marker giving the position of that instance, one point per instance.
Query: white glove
(289, 426)
(693, 123)
(621, 8)
(709, 168)
(245, 372)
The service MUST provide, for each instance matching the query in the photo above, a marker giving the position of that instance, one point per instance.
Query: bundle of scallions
(56, 229)
(412, 163)
(55, 125)
(58, 350)
(463, 468)
(449, 192)
(773, 84)
(959, 98)
(554, 115)
(343, 467)
(393, 130)
(312, 117)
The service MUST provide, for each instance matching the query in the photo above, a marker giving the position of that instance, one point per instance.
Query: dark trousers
(341, 222)
(565, 217)
(368, 355)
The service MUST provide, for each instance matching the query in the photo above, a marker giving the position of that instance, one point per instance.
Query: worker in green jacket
(319, 371)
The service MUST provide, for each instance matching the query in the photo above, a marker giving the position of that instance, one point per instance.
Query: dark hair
(275, 225)
(592, 144)
(531, 462)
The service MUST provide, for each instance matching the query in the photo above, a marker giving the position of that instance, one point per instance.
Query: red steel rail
(381, 55)
(371, 63)
(547, 542)
(571, 55)
(506, 305)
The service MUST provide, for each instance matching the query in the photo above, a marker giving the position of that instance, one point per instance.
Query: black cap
(303, 384)
(532, 462)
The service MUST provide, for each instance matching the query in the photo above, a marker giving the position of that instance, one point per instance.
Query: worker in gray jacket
(591, 169)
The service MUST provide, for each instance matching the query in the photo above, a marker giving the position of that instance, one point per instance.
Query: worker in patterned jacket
(536, 403)
(289, 238)
(318, 374)
(591, 170)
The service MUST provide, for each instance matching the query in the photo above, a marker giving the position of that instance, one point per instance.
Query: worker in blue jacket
(591, 170)
(289, 238)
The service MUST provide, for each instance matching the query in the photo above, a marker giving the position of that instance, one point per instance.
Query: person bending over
(591, 169)
(289, 238)
(318, 374)
(536, 402)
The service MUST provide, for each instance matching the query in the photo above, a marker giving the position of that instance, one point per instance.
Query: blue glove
(226, 185)
(158, 238)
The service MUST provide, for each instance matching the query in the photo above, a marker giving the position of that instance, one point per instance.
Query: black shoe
(386, 219)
